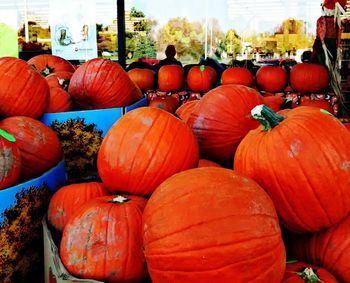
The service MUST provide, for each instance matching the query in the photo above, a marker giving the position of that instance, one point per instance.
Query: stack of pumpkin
(155, 212)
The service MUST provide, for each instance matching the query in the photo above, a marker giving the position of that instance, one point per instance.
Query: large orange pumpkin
(271, 78)
(305, 78)
(313, 151)
(212, 225)
(222, 118)
(103, 240)
(69, 198)
(10, 160)
(185, 110)
(60, 100)
(101, 83)
(142, 149)
(329, 248)
(201, 78)
(39, 145)
(47, 64)
(23, 91)
(300, 272)
(143, 78)
(170, 78)
(237, 75)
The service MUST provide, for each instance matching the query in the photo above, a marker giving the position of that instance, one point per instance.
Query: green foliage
(232, 42)
(136, 14)
(144, 46)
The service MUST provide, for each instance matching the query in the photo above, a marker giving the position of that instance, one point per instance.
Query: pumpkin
(168, 103)
(300, 272)
(142, 149)
(68, 198)
(10, 160)
(143, 78)
(329, 248)
(101, 83)
(277, 103)
(23, 91)
(170, 78)
(347, 125)
(39, 145)
(271, 78)
(310, 147)
(201, 78)
(207, 163)
(60, 100)
(47, 64)
(102, 240)
(307, 77)
(237, 75)
(222, 118)
(185, 110)
(212, 225)
(318, 103)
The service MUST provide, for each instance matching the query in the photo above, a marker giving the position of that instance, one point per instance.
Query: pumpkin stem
(287, 103)
(309, 275)
(7, 136)
(119, 199)
(201, 68)
(46, 71)
(64, 83)
(266, 117)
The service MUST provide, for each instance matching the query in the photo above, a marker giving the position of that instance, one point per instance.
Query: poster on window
(8, 33)
(73, 29)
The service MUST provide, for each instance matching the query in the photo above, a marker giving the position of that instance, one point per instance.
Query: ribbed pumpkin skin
(100, 83)
(271, 78)
(185, 110)
(290, 275)
(274, 102)
(237, 75)
(142, 149)
(58, 64)
(306, 78)
(10, 163)
(60, 100)
(314, 152)
(103, 241)
(347, 125)
(201, 78)
(170, 78)
(39, 145)
(212, 225)
(222, 118)
(143, 78)
(69, 198)
(323, 104)
(23, 91)
(329, 248)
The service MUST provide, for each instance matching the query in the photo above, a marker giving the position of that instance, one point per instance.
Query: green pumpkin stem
(309, 275)
(46, 71)
(7, 136)
(266, 117)
(119, 199)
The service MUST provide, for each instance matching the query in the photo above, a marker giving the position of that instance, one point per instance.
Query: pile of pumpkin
(171, 207)
(212, 197)
(307, 84)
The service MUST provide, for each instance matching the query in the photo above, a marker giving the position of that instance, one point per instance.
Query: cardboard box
(81, 133)
(54, 269)
(22, 208)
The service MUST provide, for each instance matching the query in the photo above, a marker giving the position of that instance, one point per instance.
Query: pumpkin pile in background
(206, 184)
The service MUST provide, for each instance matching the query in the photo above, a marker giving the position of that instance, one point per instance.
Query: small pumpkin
(201, 78)
(100, 83)
(68, 198)
(168, 103)
(143, 78)
(107, 232)
(207, 163)
(300, 272)
(23, 91)
(10, 160)
(310, 146)
(171, 78)
(237, 75)
(47, 64)
(309, 78)
(318, 103)
(142, 149)
(277, 103)
(271, 78)
(212, 225)
(39, 145)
